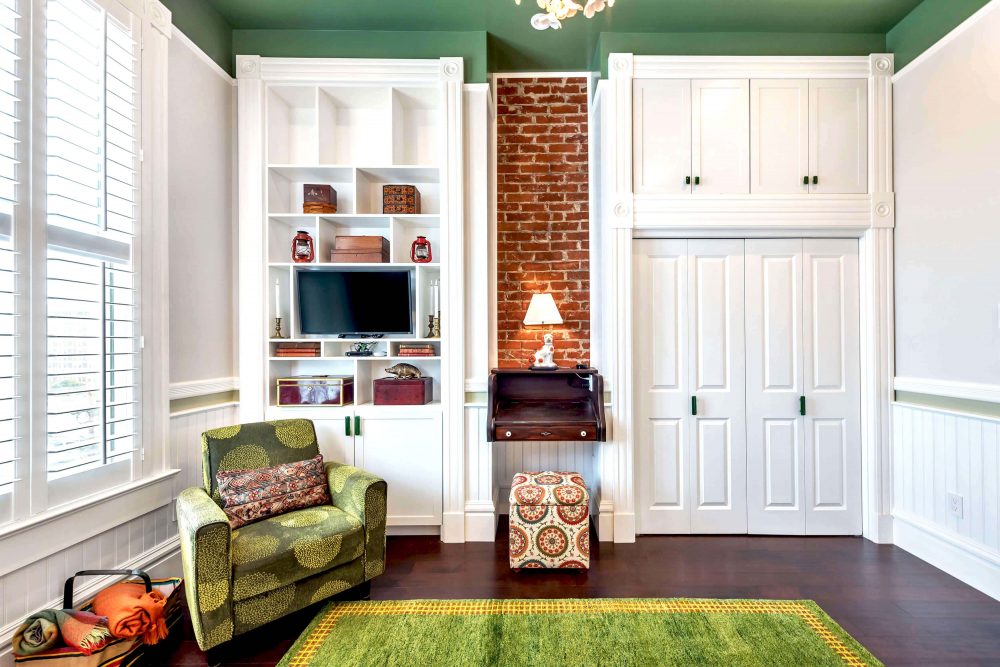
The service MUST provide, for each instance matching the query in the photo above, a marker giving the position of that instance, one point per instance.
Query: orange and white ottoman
(549, 521)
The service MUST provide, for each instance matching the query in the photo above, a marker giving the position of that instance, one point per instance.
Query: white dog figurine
(543, 358)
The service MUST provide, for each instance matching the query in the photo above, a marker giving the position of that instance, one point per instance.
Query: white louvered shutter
(92, 209)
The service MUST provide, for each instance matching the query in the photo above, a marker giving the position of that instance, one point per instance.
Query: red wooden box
(312, 390)
(408, 391)
(318, 198)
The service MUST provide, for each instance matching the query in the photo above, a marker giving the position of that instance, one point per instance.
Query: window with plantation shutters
(91, 206)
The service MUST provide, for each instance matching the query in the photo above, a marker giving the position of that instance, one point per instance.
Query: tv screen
(340, 303)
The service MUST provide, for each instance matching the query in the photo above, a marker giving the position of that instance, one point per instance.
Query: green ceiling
(506, 42)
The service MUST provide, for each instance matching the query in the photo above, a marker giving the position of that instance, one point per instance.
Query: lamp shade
(542, 310)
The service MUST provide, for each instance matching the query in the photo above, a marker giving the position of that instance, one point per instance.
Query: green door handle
(802, 405)
(694, 405)
(805, 180)
(347, 425)
(815, 180)
(357, 425)
(697, 180)
(687, 180)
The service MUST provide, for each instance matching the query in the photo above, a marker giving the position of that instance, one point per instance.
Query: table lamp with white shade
(542, 311)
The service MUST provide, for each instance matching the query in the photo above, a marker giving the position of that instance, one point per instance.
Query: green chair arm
(362, 495)
(206, 554)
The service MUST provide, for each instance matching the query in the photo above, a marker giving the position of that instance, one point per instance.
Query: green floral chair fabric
(237, 580)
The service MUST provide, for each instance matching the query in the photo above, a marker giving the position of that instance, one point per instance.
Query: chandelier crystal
(556, 11)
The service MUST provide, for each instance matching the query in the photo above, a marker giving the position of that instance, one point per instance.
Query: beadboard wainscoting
(938, 455)
(149, 541)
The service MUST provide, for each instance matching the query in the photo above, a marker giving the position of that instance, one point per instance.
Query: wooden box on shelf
(360, 249)
(313, 390)
(318, 199)
(400, 199)
(403, 391)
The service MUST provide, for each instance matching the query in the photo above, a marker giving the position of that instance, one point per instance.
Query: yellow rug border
(798, 608)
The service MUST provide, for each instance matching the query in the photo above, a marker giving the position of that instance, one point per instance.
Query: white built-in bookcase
(356, 125)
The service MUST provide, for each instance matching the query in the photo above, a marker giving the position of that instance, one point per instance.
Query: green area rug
(607, 631)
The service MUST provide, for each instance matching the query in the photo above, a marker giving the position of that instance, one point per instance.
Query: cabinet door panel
(779, 136)
(336, 442)
(720, 135)
(775, 467)
(717, 377)
(406, 452)
(832, 379)
(661, 136)
(838, 136)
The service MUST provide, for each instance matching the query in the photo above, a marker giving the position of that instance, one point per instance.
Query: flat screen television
(355, 303)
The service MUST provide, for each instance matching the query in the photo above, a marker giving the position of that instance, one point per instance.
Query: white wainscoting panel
(141, 542)
(937, 453)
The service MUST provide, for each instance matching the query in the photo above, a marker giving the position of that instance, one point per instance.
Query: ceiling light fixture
(558, 10)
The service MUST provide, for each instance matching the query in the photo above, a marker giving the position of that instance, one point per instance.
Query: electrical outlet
(956, 505)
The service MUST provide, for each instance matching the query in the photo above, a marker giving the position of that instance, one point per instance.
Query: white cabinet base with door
(748, 386)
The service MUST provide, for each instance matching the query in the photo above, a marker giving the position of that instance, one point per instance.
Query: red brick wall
(542, 215)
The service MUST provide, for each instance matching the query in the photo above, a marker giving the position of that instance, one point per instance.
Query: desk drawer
(562, 432)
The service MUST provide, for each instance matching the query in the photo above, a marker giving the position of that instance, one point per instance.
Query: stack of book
(416, 350)
(297, 350)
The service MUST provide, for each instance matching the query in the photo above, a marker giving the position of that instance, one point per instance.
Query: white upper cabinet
(838, 136)
(661, 121)
(779, 136)
(720, 136)
(757, 136)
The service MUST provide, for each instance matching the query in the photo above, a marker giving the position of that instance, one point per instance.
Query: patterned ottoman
(549, 521)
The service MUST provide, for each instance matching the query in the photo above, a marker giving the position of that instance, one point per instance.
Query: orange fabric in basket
(132, 612)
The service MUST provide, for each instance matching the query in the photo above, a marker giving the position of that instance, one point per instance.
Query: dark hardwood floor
(902, 609)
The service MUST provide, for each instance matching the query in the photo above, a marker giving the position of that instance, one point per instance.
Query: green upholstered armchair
(239, 579)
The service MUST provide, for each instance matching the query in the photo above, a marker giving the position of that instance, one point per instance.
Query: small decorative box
(408, 391)
(311, 390)
(360, 249)
(400, 199)
(317, 198)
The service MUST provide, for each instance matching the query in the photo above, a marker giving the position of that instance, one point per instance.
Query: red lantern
(303, 251)
(420, 251)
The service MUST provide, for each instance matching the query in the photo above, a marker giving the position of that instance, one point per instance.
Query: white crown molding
(348, 70)
(741, 67)
(159, 17)
(542, 75)
(204, 57)
(949, 388)
(202, 387)
(248, 67)
(957, 32)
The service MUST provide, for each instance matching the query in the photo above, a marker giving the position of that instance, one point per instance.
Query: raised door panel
(406, 452)
(661, 135)
(335, 436)
(779, 136)
(717, 380)
(838, 136)
(831, 331)
(775, 464)
(720, 136)
(660, 353)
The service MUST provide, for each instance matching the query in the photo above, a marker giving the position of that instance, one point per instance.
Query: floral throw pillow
(252, 495)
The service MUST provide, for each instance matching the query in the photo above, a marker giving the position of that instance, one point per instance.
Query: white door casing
(661, 359)
(720, 136)
(779, 136)
(832, 374)
(838, 136)
(717, 381)
(661, 121)
(775, 457)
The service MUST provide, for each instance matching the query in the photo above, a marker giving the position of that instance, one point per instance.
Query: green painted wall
(929, 22)
(735, 44)
(206, 27)
(470, 45)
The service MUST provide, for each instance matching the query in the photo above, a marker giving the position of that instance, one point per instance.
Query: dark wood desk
(564, 404)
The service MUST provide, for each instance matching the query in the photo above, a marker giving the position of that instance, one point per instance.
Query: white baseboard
(605, 522)
(962, 559)
(160, 562)
(480, 526)
(453, 527)
(624, 527)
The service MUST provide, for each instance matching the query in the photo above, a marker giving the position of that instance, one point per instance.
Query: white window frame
(37, 503)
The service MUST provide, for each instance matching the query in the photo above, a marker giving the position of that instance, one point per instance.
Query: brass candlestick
(277, 329)
(433, 326)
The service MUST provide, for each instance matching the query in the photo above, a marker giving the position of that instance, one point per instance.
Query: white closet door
(662, 397)
(833, 387)
(775, 461)
(717, 379)
(779, 136)
(838, 136)
(661, 136)
(720, 136)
